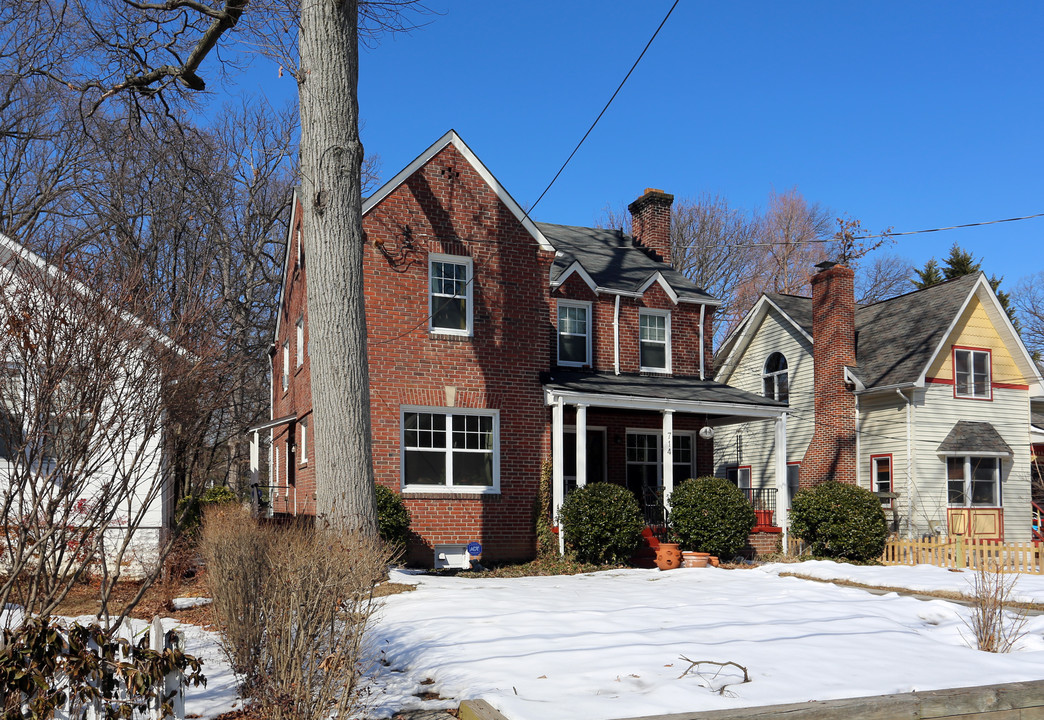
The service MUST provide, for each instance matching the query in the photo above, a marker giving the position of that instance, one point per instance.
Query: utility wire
(618, 89)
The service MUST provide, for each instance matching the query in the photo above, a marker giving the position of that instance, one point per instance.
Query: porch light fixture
(707, 432)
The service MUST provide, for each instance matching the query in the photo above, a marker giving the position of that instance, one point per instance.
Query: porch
(649, 433)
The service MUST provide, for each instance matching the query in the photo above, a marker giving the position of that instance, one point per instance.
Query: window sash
(881, 478)
(450, 449)
(300, 342)
(286, 364)
(739, 476)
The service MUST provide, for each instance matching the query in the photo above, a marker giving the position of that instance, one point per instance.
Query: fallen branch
(721, 665)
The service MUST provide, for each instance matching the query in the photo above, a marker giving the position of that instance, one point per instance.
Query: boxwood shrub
(393, 517)
(839, 520)
(602, 523)
(711, 515)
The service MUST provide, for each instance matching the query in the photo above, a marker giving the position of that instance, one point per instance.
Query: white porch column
(581, 445)
(255, 458)
(782, 491)
(668, 456)
(557, 475)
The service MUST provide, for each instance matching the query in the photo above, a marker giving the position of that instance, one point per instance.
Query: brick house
(924, 398)
(496, 342)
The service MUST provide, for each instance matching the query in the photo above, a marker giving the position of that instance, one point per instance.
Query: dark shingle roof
(653, 386)
(613, 260)
(895, 338)
(972, 437)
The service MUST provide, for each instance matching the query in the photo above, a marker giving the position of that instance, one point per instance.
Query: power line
(620, 87)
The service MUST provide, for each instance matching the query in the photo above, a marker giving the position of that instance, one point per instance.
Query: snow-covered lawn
(609, 645)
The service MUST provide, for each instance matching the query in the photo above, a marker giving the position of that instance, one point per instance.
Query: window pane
(653, 327)
(783, 387)
(473, 469)
(955, 481)
(425, 430)
(473, 432)
(449, 313)
(572, 348)
(572, 320)
(653, 355)
(962, 371)
(425, 467)
(984, 486)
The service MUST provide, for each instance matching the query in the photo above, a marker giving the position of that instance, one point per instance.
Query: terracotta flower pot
(713, 560)
(668, 556)
(695, 559)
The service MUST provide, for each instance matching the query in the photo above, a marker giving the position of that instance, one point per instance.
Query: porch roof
(721, 403)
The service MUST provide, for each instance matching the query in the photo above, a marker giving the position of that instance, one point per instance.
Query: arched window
(776, 380)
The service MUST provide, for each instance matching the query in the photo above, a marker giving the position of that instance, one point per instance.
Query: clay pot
(764, 518)
(668, 556)
(713, 560)
(695, 559)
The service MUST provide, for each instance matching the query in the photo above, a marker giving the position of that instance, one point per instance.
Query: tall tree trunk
(331, 169)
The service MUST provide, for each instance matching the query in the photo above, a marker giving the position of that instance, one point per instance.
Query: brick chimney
(831, 453)
(651, 222)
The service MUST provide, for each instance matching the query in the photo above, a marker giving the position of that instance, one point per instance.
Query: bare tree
(94, 402)
(882, 277)
(1028, 299)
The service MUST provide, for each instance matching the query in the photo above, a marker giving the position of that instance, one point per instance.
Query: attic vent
(449, 172)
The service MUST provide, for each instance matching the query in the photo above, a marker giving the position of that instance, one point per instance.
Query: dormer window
(776, 378)
(654, 340)
(971, 373)
(574, 333)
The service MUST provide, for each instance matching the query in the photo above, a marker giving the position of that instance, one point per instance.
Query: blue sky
(903, 115)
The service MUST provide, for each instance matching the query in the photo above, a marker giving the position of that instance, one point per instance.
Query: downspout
(616, 337)
(702, 349)
(859, 435)
(909, 461)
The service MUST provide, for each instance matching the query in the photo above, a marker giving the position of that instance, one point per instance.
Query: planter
(695, 559)
(668, 556)
(764, 518)
(713, 560)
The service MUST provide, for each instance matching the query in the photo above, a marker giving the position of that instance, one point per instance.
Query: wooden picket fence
(957, 553)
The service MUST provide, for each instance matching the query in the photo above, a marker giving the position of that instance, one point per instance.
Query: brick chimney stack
(651, 222)
(831, 453)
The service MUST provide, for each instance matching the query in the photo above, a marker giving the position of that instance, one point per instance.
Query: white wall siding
(753, 443)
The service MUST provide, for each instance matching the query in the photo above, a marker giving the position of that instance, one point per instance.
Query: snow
(609, 644)
(186, 603)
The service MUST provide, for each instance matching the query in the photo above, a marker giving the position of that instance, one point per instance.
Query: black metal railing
(763, 500)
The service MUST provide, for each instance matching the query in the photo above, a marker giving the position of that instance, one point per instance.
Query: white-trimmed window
(302, 445)
(776, 378)
(286, 364)
(654, 340)
(881, 476)
(971, 374)
(574, 333)
(450, 294)
(300, 341)
(973, 481)
(451, 449)
(643, 462)
(793, 481)
(596, 455)
(738, 475)
(684, 455)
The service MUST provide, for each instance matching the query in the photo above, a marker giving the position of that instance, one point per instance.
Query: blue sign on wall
(474, 548)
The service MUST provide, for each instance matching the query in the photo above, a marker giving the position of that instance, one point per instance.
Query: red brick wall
(297, 398)
(446, 207)
(450, 209)
(831, 452)
(651, 222)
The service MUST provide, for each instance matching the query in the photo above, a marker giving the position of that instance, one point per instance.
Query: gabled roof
(451, 138)
(896, 339)
(614, 263)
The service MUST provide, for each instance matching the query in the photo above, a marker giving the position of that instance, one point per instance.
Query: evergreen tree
(928, 275)
(959, 263)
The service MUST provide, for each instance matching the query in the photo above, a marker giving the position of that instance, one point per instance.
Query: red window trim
(891, 475)
(953, 369)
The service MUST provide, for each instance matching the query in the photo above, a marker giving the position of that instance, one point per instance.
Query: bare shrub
(295, 603)
(996, 625)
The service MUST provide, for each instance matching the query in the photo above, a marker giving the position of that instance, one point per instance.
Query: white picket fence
(159, 640)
